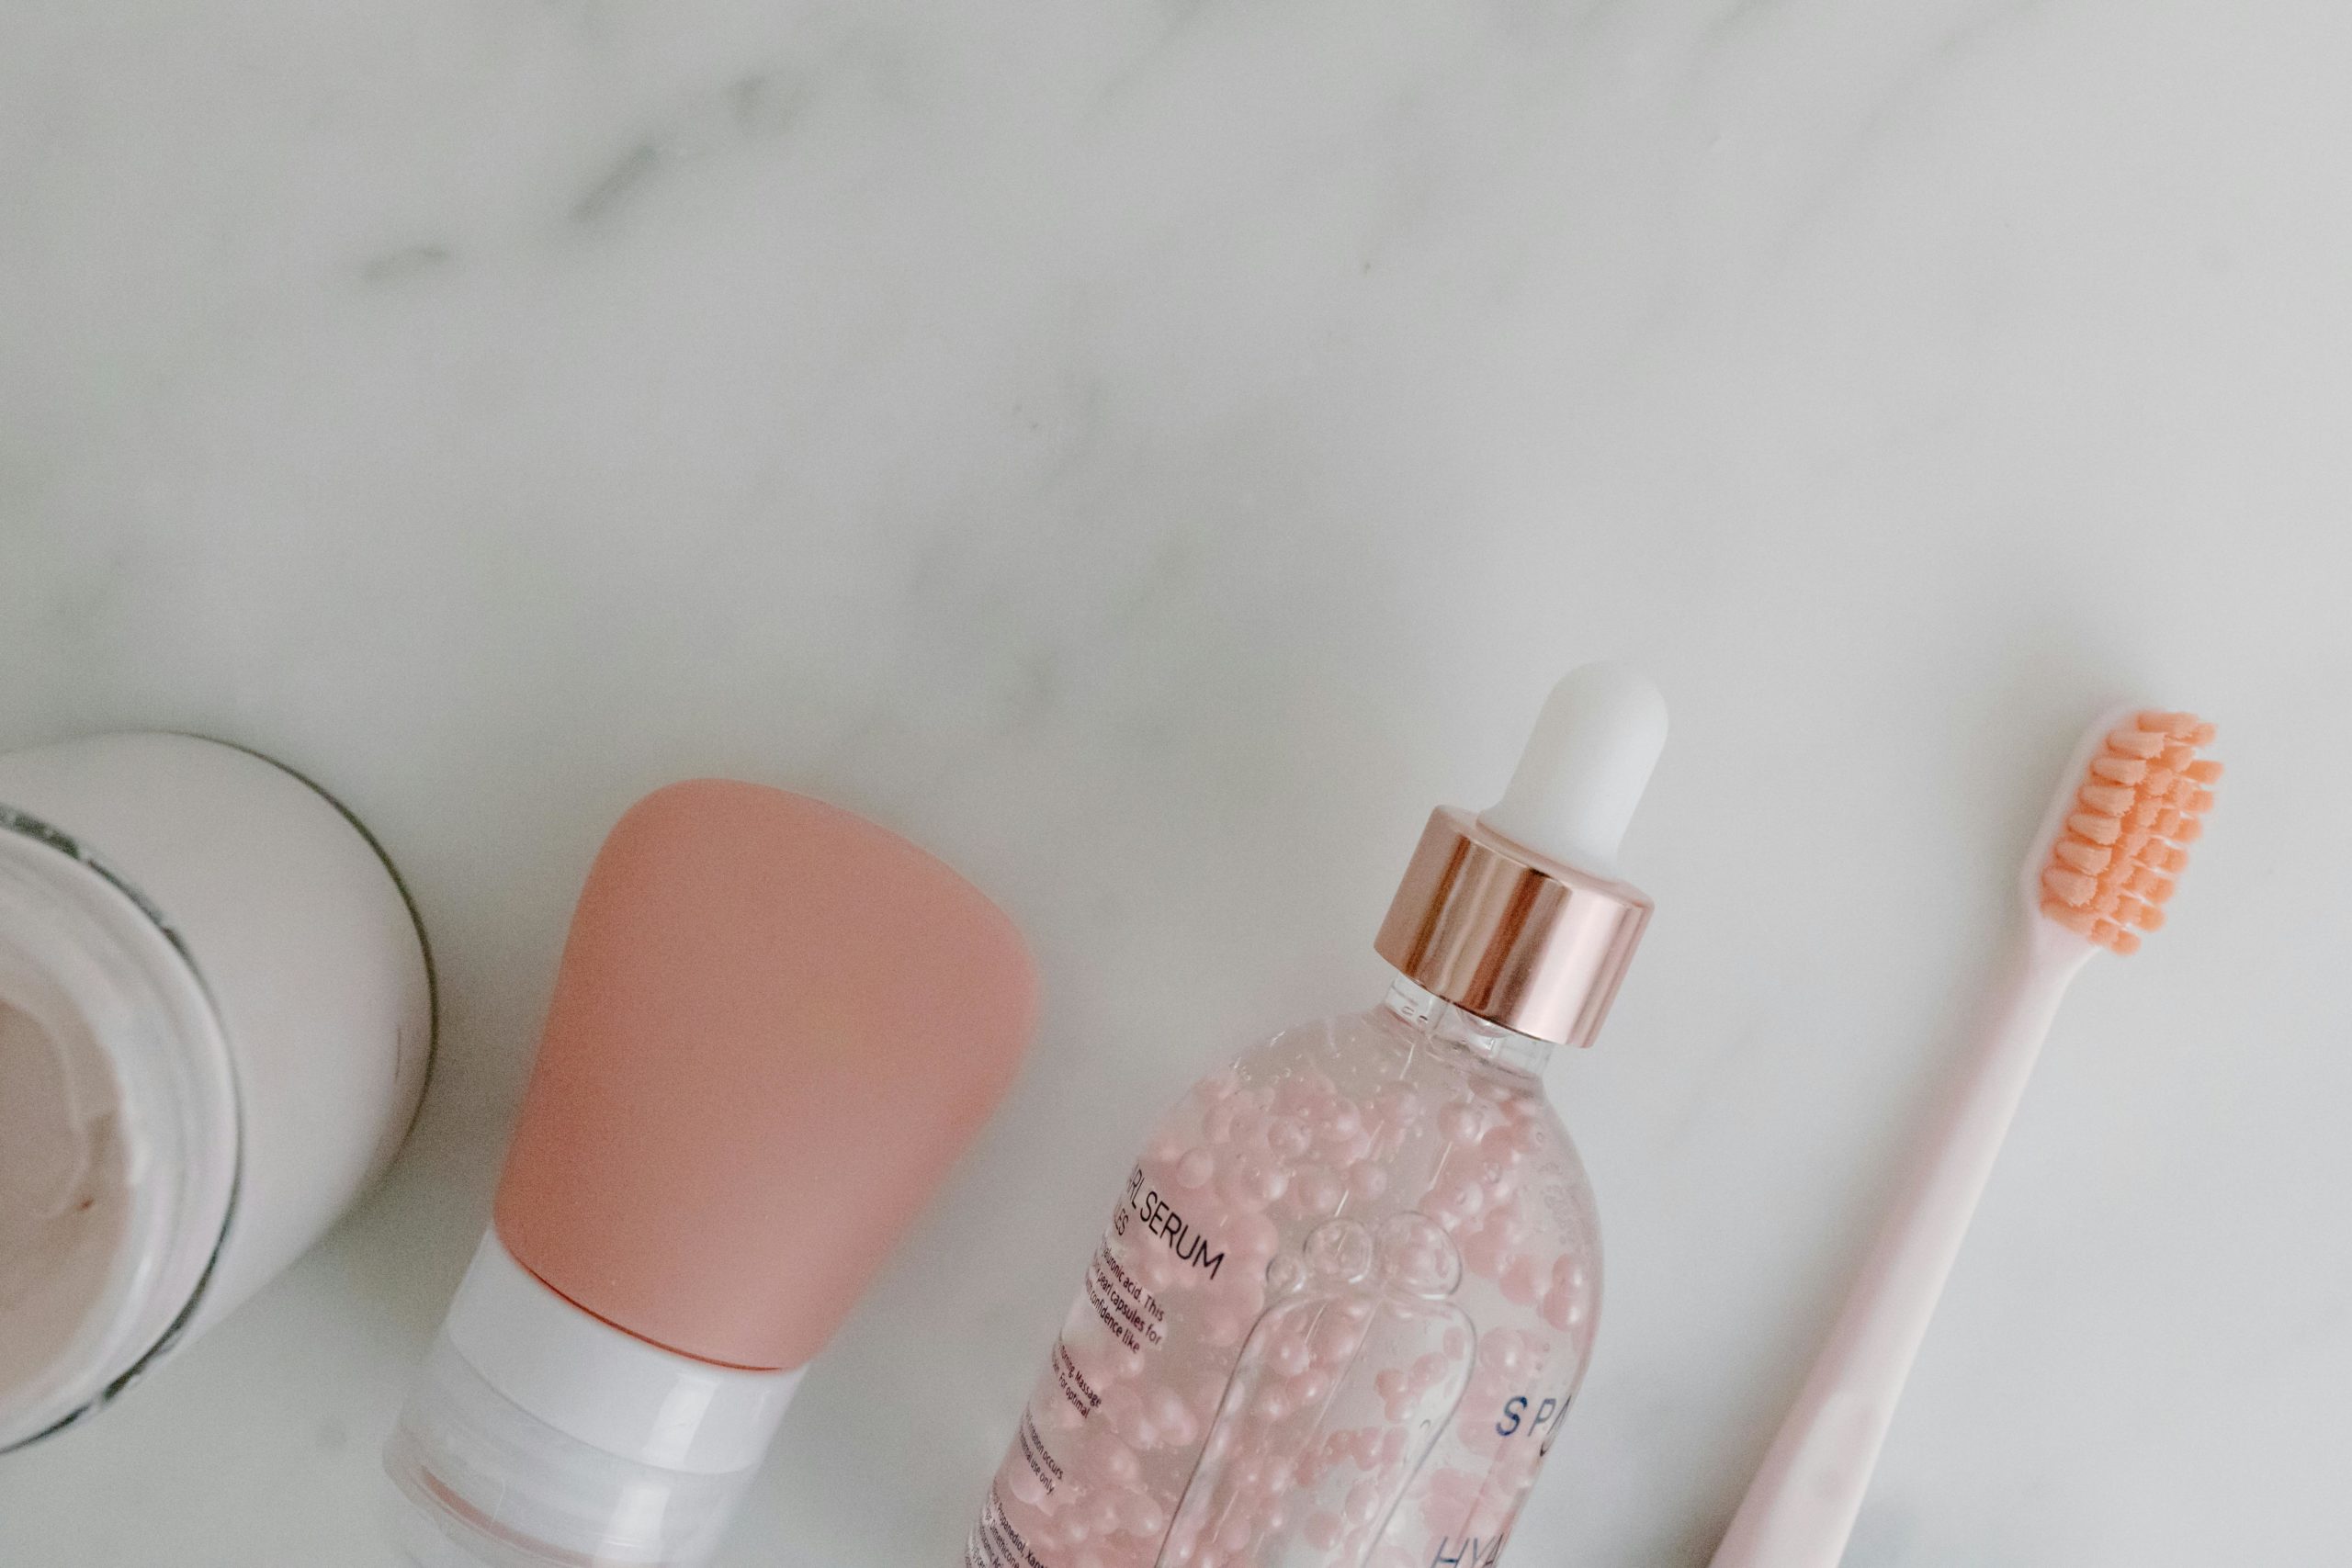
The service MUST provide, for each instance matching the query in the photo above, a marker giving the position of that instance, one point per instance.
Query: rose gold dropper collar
(1520, 940)
(1513, 914)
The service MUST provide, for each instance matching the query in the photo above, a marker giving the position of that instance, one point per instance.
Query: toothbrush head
(2124, 835)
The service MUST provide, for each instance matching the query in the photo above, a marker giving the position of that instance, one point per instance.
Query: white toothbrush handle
(1801, 1507)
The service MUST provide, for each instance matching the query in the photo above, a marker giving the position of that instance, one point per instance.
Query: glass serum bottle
(1350, 1287)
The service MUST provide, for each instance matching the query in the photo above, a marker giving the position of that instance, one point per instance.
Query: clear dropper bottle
(1349, 1288)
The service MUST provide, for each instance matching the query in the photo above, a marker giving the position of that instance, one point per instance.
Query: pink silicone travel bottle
(1349, 1288)
(775, 1027)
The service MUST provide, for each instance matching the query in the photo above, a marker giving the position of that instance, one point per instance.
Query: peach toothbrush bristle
(2101, 870)
(2114, 862)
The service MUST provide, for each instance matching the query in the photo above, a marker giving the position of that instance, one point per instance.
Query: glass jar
(215, 1020)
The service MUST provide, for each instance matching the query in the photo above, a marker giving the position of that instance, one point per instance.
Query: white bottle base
(539, 1434)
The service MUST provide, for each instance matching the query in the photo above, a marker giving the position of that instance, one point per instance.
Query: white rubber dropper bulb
(1584, 769)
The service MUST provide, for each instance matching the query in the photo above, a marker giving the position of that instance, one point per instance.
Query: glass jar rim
(106, 953)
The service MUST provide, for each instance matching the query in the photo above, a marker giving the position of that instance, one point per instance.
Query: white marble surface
(1152, 451)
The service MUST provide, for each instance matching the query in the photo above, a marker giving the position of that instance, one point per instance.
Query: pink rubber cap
(774, 1028)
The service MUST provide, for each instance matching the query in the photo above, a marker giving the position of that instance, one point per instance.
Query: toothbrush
(2100, 870)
